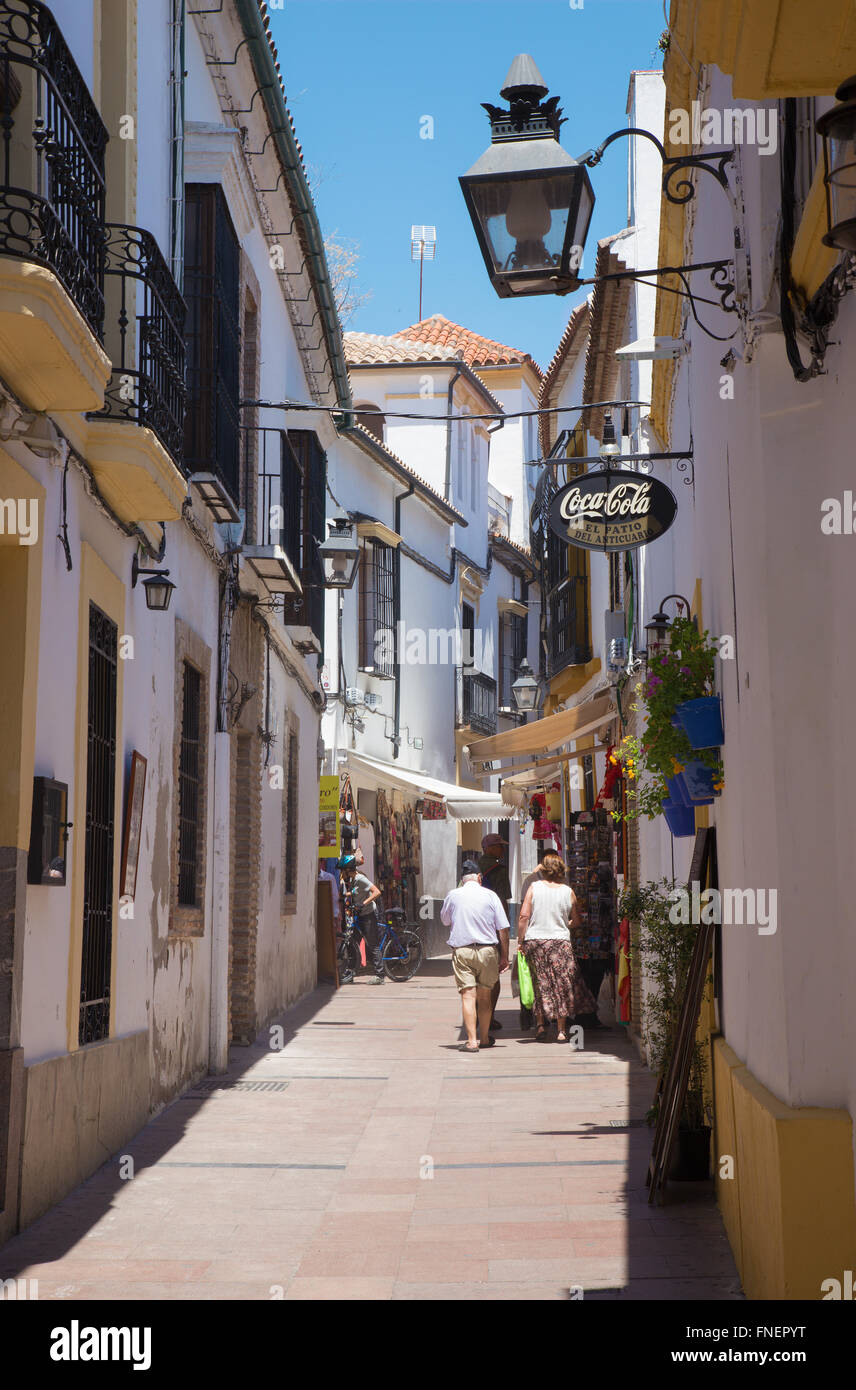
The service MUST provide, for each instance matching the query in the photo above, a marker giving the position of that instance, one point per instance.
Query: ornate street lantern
(838, 131)
(158, 587)
(527, 689)
(658, 632)
(530, 202)
(340, 553)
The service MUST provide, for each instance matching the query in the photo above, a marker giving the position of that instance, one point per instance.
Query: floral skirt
(560, 990)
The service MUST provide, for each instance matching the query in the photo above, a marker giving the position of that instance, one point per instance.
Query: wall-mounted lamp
(158, 588)
(658, 632)
(837, 129)
(527, 690)
(340, 553)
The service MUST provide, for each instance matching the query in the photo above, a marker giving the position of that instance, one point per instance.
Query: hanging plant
(684, 672)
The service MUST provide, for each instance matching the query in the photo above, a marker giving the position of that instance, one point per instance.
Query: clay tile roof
(364, 349)
(578, 321)
(475, 350)
(263, 11)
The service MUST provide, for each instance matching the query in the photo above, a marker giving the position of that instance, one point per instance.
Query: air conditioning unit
(617, 653)
(353, 695)
(371, 699)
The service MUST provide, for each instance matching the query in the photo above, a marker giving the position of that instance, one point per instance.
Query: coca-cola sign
(612, 509)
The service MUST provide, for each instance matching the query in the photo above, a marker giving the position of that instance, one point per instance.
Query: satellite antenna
(423, 245)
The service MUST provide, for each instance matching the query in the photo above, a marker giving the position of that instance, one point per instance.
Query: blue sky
(360, 74)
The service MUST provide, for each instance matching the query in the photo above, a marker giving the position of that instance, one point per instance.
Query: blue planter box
(678, 795)
(680, 819)
(697, 778)
(701, 721)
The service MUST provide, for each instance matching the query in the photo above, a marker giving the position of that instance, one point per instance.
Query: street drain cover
(204, 1088)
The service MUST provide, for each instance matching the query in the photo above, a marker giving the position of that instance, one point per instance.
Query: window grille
(376, 608)
(189, 769)
(94, 1021)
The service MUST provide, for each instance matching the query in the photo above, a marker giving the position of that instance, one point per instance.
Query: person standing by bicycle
(365, 895)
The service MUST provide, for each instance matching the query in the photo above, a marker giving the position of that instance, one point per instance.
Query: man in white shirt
(479, 941)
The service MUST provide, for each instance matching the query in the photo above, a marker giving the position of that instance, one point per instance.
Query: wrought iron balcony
(272, 541)
(52, 174)
(478, 701)
(568, 631)
(144, 336)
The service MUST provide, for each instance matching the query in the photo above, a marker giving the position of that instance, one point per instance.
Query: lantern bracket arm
(714, 162)
(721, 276)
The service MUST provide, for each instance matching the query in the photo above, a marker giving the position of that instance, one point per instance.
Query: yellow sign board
(328, 819)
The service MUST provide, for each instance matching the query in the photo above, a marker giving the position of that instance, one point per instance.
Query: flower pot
(691, 1155)
(697, 779)
(701, 721)
(680, 819)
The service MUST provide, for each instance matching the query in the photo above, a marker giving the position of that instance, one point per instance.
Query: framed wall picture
(133, 825)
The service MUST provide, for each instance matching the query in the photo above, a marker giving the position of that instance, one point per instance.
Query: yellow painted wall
(20, 612)
(790, 1209)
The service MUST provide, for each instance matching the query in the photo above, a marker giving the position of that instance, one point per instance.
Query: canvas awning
(462, 803)
(547, 734)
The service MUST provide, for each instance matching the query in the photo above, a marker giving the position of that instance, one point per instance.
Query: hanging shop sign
(612, 509)
(328, 819)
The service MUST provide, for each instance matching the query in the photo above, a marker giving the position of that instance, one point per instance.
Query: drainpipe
(396, 616)
(458, 372)
(218, 1031)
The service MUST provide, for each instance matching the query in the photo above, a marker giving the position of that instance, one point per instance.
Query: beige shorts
(475, 965)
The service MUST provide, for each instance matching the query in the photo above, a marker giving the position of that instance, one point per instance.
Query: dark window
(94, 1021)
(588, 781)
(212, 334)
(291, 789)
(307, 610)
(468, 633)
(376, 608)
(615, 580)
(189, 770)
(512, 649)
(371, 419)
(567, 605)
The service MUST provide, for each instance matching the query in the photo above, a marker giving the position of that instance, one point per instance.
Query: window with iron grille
(376, 607)
(96, 954)
(512, 649)
(189, 776)
(212, 335)
(291, 735)
(588, 781)
(307, 609)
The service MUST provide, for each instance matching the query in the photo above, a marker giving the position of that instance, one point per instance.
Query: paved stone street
(309, 1177)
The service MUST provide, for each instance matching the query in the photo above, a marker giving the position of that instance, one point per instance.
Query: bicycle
(401, 948)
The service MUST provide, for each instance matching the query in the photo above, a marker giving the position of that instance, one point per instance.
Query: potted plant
(664, 766)
(666, 949)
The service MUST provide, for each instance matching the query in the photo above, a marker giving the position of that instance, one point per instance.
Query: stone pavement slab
(379, 1162)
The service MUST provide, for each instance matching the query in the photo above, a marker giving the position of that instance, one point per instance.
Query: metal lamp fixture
(837, 129)
(530, 202)
(527, 690)
(158, 588)
(340, 553)
(658, 632)
(610, 447)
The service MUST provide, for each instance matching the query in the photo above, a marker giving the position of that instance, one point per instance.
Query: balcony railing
(568, 635)
(478, 704)
(145, 337)
(52, 175)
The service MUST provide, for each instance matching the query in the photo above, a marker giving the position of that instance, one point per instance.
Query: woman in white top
(543, 934)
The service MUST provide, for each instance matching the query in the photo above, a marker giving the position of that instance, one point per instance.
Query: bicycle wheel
(402, 955)
(348, 955)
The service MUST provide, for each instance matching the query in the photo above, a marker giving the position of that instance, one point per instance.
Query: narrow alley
(369, 1158)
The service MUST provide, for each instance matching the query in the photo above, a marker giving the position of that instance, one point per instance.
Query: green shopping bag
(524, 981)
